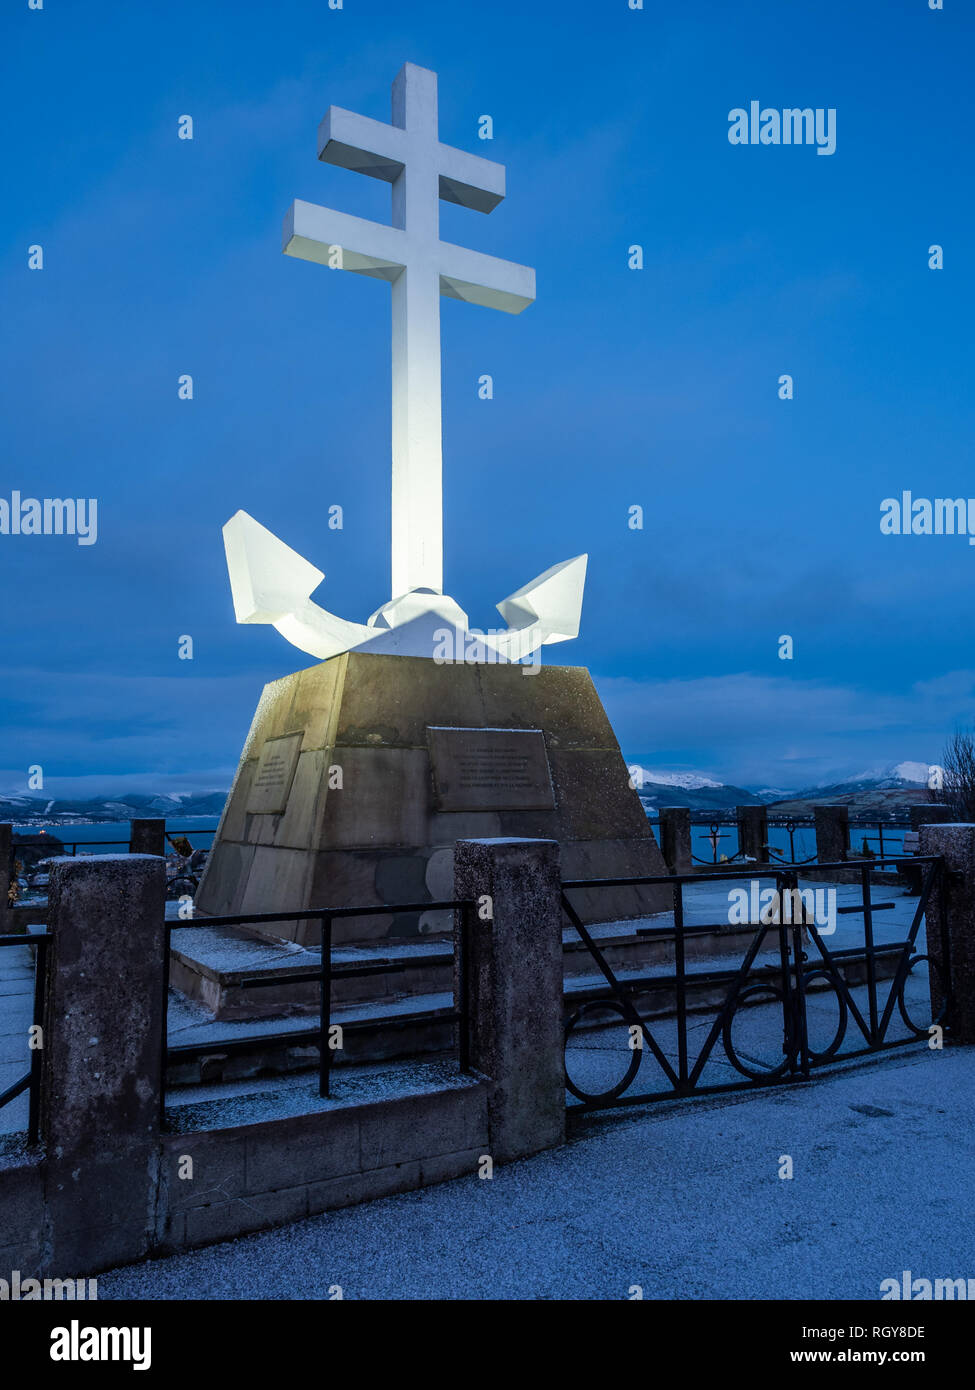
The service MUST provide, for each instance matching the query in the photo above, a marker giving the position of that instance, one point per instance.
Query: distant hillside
(875, 792)
(659, 789)
(865, 801)
(27, 810)
(872, 793)
(894, 789)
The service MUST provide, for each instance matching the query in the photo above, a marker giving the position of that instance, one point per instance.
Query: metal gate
(792, 975)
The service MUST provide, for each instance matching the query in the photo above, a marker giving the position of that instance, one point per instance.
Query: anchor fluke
(267, 578)
(271, 583)
(552, 601)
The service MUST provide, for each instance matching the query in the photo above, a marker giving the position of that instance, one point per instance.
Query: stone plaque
(271, 786)
(490, 769)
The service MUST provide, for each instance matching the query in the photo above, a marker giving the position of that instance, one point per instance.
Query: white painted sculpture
(271, 583)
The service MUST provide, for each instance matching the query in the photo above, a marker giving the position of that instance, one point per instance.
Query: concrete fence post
(832, 833)
(6, 848)
(147, 836)
(675, 838)
(953, 902)
(753, 832)
(102, 1059)
(515, 988)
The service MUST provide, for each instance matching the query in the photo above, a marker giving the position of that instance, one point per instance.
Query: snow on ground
(683, 1199)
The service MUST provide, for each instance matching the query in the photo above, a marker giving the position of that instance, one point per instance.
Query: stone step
(276, 1046)
(244, 1048)
(218, 967)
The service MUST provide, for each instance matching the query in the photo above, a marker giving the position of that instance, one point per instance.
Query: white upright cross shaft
(420, 267)
(417, 433)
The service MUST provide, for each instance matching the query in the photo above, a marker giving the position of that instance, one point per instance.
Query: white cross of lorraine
(420, 267)
(270, 582)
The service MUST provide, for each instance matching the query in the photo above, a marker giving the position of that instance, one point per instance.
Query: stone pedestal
(753, 832)
(833, 841)
(953, 903)
(514, 971)
(675, 838)
(832, 833)
(102, 1058)
(147, 836)
(361, 773)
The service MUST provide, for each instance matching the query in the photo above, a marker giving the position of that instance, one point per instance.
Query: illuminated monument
(273, 584)
(360, 773)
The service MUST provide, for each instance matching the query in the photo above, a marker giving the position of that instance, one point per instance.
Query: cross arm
(311, 233)
(485, 280)
(355, 142)
(469, 180)
(362, 144)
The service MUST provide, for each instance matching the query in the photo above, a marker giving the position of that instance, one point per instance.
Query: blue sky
(617, 387)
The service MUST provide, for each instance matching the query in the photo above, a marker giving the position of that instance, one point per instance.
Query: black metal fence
(71, 847)
(27, 856)
(786, 982)
(717, 837)
(326, 974)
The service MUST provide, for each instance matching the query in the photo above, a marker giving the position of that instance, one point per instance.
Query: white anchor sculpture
(271, 583)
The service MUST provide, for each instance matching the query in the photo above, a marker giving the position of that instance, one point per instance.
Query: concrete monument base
(359, 775)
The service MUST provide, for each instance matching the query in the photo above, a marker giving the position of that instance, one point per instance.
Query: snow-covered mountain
(889, 787)
(27, 810)
(893, 774)
(692, 781)
(903, 776)
(691, 789)
(876, 791)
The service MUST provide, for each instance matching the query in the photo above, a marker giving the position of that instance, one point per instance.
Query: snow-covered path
(683, 1199)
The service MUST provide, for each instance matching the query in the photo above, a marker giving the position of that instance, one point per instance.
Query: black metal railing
(72, 847)
(26, 859)
(326, 974)
(714, 837)
(722, 825)
(895, 829)
(31, 1080)
(784, 983)
(790, 824)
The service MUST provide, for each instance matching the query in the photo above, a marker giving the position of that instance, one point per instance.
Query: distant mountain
(876, 791)
(690, 781)
(28, 810)
(690, 789)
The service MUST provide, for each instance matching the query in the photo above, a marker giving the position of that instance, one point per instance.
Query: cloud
(96, 733)
(761, 730)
